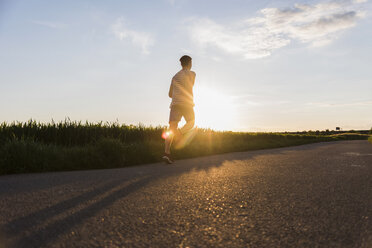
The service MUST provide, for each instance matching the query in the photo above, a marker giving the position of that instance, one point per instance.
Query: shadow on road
(49, 232)
(45, 225)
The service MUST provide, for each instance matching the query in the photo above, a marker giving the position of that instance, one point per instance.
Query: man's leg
(188, 134)
(187, 127)
(187, 131)
(173, 131)
(189, 115)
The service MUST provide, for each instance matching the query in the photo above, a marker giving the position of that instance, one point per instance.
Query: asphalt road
(317, 195)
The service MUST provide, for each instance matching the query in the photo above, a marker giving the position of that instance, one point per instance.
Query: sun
(214, 109)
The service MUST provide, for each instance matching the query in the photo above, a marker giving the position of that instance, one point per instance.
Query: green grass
(39, 147)
(370, 139)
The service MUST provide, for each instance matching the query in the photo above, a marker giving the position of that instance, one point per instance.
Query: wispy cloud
(255, 100)
(55, 25)
(141, 39)
(324, 104)
(316, 25)
(171, 2)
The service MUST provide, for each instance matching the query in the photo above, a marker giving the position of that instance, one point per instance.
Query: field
(39, 147)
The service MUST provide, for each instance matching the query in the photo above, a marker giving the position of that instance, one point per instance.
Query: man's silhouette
(182, 105)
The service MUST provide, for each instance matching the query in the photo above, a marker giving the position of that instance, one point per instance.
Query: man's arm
(170, 93)
(193, 75)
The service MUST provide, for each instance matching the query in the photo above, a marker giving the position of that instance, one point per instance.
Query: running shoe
(168, 159)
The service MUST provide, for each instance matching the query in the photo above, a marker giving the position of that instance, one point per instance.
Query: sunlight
(214, 109)
(166, 134)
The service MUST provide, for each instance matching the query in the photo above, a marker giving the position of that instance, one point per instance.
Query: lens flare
(186, 138)
(166, 134)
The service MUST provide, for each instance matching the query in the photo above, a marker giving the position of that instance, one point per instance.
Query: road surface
(317, 195)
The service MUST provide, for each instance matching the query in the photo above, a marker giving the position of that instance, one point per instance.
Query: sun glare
(166, 134)
(214, 109)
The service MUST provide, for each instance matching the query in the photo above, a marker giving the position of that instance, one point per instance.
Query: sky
(260, 65)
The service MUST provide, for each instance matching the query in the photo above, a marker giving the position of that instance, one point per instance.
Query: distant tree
(338, 128)
(370, 131)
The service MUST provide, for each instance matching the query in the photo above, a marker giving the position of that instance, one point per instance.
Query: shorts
(177, 111)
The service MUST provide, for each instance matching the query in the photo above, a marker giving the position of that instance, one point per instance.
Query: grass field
(39, 147)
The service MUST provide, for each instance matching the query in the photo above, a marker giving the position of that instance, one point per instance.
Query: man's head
(186, 62)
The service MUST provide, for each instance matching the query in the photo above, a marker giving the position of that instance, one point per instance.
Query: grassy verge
(370, 139)
(35, 147)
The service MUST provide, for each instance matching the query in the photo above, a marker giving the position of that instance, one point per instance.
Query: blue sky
(260, 65)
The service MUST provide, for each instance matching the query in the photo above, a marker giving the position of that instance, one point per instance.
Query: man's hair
(185, 60)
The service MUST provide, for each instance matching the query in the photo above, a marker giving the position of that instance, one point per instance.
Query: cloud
(171, 2)
(316, 25)
(55, 25)
(322, 104)
(251, 42)
(141, 39)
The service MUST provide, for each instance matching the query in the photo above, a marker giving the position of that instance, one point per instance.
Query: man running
(182, 105)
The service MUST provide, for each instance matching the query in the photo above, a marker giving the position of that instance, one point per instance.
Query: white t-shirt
(181, 88)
